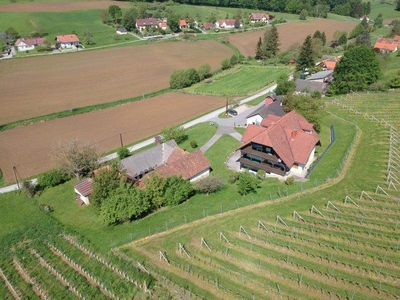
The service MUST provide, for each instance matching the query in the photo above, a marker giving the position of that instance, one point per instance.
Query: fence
(333, 139)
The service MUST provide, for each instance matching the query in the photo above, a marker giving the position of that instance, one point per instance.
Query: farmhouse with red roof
(67, 41)
(257, 18)
(281, 145)
(384, 45)
(24, 44)
(226, 24)
(182, 24)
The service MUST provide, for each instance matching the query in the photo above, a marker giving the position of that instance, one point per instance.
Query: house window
(257, 147)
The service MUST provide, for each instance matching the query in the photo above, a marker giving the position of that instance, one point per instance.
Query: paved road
(225, 127)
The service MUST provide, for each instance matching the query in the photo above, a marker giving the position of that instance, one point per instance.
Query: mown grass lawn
(60, 23)
(239, 81)
(386, 8)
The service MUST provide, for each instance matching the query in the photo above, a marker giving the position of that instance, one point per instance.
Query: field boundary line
(344, 171)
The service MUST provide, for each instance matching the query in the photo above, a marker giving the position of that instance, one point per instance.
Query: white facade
(24, 47)
(200, 175)
(256, 120)
(69, 45)
(83, 198)
(298, 169)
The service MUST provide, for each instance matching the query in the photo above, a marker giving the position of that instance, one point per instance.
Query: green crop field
(339, 240)
(59, 23)
(239, 81)
(386, 8)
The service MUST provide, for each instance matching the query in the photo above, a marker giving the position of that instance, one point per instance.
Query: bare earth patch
(42, 85)
(290, 33)
(60, 6)
(29, 147)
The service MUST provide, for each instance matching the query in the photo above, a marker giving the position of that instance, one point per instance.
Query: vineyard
(59, 267)
(239, 81)
(338, 241)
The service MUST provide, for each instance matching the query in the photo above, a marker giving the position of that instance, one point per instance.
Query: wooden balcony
(260, 154)
(261, 166)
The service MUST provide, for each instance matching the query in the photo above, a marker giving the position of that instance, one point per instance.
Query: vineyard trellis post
(278, 218)
(296, 214)
(378, 188)
(203, 242)
(313, 208)
(332, 205)
(164, 257)
(261, 224)
(347, 198)
(182, 249)
(222, 236)
(366, 194)
(241, 228)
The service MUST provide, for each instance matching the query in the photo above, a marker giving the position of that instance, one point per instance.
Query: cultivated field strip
(61, 268)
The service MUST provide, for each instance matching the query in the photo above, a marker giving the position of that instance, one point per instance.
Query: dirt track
(60, 6)
(29, 147)
(290, 33)
(43, 85)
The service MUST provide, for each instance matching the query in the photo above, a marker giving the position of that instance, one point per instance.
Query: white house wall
(25, 48)
(83, 198)
(200, 175)
(254, 120)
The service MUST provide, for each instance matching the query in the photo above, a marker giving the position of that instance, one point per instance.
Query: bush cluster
(183, 78)
(51, 178)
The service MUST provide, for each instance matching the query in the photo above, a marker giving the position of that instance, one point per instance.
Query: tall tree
(398, 5)
(259, 50)
(173, 23)
(309, 107)
(128, 20)
(75, 157)
(364, 39)
(115, 13)
(178, 190)
(356, 70)
(306, 55)
(105, 182)
(271, 42)
(343, 39)
(323, 38)
(379, 21)
(317, 35)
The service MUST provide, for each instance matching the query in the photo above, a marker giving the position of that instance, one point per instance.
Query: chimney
(293, 134)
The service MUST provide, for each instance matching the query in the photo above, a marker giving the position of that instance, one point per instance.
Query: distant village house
(145, 24)
(67, 41)
(27, 44)
(260, 18)
(385, 45)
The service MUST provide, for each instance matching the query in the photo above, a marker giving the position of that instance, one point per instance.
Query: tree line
(315, 8)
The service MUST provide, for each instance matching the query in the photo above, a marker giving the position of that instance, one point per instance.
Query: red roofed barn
(281, 145)
(384, 45)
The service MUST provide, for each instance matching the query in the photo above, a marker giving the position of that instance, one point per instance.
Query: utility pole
(226, 106)
(15, 176)
(120, 139)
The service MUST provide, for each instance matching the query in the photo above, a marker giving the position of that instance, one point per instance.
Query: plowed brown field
(290, 33)
(59, 6)
(29, 147)
(42, 85)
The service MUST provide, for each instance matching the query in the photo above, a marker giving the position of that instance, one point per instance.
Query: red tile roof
(286, 136)
(268, 100)
(84, 187)
(270, 120)
(30, 41)
(387, 44)
(330, 65)
(182, 23)
(189, 165)
(256, 16)
(146, 22)
(69, 38)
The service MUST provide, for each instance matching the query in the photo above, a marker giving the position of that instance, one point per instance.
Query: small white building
(226, 24)
(67, 41)
(122, 30)
(83, 189)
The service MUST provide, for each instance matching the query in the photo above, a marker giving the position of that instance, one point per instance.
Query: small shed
(122, 30)
(83, 189)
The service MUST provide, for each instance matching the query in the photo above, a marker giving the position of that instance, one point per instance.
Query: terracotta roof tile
(188, 166)
(285, 136)
(68, 38)
(84, 187)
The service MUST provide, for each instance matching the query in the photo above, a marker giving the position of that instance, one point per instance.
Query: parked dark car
(232, 112)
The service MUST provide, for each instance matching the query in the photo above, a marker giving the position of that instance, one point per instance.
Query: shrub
(193, 144)
(289, 180)
(123, 152)
(226, 63)
(233, 177)
(52, 178)
(209, 185)
(261, 174)
(28, 188)
(247, 183)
